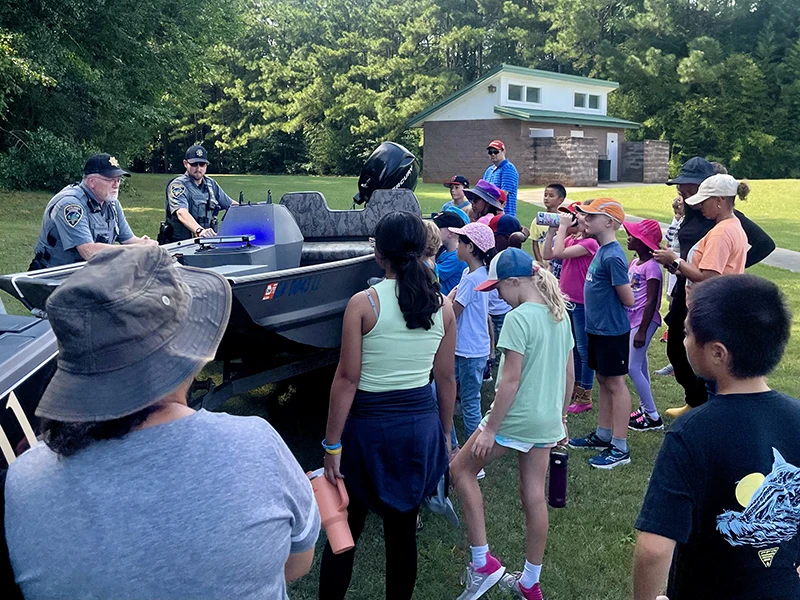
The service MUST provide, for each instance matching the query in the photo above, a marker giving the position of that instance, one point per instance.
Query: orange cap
(604, 206)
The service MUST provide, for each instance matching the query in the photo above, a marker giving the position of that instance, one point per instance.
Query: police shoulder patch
(176, 189)
(73, 213)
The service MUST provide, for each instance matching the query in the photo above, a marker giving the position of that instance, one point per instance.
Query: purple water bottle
(557, 492)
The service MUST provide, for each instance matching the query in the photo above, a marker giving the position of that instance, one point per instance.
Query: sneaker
(609, 458)
(677, 412)
(590, 441)
(487, 371)
(645, 423)
(664, 336)
(667, 371)
(481, 474)
(510, 583)
(578, 407)
(477, 582)
(636, 414)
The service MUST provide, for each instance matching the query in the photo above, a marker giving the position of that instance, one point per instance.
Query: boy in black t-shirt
(723, 504)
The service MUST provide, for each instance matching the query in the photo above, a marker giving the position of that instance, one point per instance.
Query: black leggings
(693, 386)
(400, 537)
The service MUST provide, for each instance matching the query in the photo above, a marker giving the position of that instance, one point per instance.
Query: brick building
(555, 128)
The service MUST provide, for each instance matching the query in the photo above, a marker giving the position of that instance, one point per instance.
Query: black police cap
(105, 165)
(196, 154)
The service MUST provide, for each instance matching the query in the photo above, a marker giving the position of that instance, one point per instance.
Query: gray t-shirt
(207, 506)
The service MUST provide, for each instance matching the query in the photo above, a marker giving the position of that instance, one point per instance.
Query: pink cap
(647, 231)
(478, 233)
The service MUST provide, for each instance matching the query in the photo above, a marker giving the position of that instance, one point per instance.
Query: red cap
(571, 209)
(493, 222)
(497, 144)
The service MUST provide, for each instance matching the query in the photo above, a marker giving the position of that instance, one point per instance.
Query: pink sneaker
(510, 583)
(478, 581)
(579, 407)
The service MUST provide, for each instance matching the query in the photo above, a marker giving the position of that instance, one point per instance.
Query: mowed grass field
(590, 549)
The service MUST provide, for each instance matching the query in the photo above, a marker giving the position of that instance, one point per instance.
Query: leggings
(639, 370)
(400, 537)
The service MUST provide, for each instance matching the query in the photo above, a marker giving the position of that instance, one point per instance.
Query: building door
(612, 152)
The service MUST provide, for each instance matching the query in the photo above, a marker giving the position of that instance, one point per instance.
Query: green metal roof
(567, 118)
(516, 71)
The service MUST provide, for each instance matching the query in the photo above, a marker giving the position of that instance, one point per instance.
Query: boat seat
(323, 252)
(318, 222)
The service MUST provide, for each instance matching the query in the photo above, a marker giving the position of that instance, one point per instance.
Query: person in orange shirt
(723, 250)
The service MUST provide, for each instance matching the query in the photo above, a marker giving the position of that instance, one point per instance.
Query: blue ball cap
(511, 262)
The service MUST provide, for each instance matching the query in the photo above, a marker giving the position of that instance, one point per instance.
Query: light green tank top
(394, 357)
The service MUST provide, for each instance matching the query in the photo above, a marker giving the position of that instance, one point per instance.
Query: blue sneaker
(590, 441)
(610, 458)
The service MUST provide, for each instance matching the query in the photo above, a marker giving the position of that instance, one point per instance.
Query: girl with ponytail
(385, 431)
(534, 385)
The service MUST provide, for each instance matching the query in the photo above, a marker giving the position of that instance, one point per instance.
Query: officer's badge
(73, 213)
(176, 189)
(113, 162)
(199, 152)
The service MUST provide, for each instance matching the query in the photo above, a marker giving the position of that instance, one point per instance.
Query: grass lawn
(768, 205)
(590, 549)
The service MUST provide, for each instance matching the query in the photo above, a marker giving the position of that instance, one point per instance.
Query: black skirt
(393, 449)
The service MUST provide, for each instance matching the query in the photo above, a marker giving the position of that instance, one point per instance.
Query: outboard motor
(390, 167)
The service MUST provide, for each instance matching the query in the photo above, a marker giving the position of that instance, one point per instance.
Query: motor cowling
(390, 166)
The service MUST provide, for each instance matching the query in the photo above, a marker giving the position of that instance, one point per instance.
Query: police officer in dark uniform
(193, 201)
(83, 218)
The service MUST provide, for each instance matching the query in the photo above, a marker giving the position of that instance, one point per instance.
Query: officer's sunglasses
(493, 152)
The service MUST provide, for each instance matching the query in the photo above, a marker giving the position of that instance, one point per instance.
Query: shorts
(608, 354)
(519, 446)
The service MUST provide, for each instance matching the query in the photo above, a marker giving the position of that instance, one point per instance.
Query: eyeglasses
(117, 180)
(492, 152)
(197, 165)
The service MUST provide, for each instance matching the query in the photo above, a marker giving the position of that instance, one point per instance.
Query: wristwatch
(676, 264)
(198, 231)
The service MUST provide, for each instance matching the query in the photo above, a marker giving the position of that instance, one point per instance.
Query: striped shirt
(505, 177)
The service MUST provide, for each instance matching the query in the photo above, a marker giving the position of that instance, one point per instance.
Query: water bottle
(546, 219)
(557, 491)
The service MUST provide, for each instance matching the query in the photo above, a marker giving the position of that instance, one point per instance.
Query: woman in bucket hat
(645, 317)
(133, 493)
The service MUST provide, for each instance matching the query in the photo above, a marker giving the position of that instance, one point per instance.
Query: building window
(533, 95)
(515, 92)
(594, 101)
(580, 100)
(576, 133)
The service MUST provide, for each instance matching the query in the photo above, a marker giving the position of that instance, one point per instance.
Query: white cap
(716, 185)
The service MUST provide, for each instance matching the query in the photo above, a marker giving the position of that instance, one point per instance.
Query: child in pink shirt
(646, 281)
(576, 253)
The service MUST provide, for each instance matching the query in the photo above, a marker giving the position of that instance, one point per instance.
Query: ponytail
(418, 294)
(400, 239)
(547, 286)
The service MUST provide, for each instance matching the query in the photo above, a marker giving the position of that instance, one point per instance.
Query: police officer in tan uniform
(84, 218)
(193, 201)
